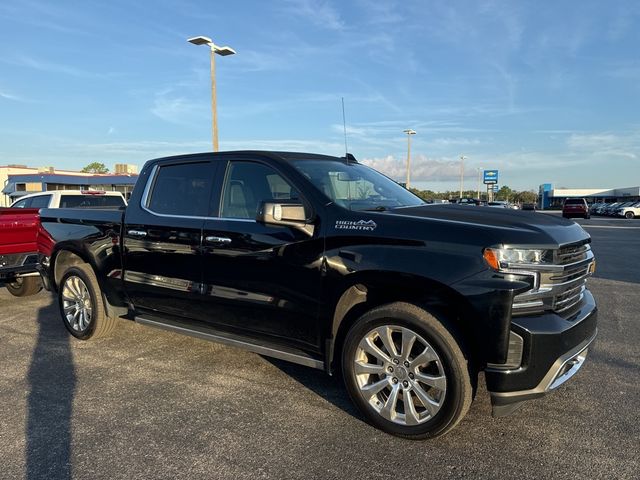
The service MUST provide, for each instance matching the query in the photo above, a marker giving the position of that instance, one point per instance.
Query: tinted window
(182, 190)
(574, 201)
(21, 203)
(248, 184)
(91, 201)
(41, 201)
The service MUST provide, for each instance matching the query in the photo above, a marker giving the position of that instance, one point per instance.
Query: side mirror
(285, 214)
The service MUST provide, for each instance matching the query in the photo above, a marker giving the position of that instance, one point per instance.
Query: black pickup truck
(325, 262)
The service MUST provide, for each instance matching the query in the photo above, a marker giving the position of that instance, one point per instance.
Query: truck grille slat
(558, 290)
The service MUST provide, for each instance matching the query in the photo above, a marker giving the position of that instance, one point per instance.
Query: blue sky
(543, 91)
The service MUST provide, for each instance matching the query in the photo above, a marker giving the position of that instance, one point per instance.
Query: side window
(41, 201)
(248, 184)
(21, 203)
(183, 189)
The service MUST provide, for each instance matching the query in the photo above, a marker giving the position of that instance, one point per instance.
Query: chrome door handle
(222, 240)
(137, 233)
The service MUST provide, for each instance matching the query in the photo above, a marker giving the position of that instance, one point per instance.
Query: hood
(503, 225)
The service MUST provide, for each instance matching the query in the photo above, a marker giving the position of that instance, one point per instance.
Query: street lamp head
(224, 51)
(200, 40)
(409, 132)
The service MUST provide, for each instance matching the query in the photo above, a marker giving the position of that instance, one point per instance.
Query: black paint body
(294, 291)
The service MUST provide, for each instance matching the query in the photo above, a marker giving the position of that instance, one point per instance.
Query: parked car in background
(611, 208)
(529, 206)
(628, 211)
(468, 201)
(575, 207)
(71, 199)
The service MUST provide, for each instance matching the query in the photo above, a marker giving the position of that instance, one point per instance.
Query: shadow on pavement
(52, 383)
(330, 388)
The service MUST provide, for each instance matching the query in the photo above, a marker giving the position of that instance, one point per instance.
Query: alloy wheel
(76, 303)
(400, 375)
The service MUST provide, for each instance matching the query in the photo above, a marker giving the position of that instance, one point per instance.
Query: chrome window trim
(144, 201)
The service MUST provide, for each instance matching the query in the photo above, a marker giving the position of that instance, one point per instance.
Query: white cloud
(174, 108)
(12, 97)
(422, 168)
(318, 12)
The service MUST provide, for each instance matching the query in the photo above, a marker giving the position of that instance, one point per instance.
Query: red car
(19, 251)
(575, 207)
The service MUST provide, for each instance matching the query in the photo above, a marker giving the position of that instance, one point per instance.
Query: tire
(629, 215)
(373, 382)
(24, 286)
(81, 306)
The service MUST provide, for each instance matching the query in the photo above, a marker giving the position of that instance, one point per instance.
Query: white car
(629, 211)
(71, 199)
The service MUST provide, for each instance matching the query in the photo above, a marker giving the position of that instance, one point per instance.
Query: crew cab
(71, 199)
(19, 251)
(325, 262)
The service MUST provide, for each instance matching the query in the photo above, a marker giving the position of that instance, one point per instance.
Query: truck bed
(18, 230)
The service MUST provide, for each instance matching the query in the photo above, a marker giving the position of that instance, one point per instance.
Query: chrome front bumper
(565, 367)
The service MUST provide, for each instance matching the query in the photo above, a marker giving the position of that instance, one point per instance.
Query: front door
(260, 280)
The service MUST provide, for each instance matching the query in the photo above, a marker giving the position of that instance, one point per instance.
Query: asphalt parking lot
(147, 403)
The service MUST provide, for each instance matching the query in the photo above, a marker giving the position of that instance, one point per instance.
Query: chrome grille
(559, 286)
(571, 254)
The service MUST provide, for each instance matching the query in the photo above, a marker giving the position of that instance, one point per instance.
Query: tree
(95, 167)
(527, 196)
(505, 193)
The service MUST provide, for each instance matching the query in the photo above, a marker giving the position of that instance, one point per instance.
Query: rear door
(260, 280)
(162, 237)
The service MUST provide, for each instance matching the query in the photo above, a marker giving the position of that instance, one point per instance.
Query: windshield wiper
(379, 208)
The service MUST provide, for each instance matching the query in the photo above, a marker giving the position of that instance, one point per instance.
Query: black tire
(99, 324)
(629, 215)
(24, 286)
(454, 399)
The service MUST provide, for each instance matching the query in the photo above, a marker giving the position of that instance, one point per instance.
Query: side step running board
(208, 333)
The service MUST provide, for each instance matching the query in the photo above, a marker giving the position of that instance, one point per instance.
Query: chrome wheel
(76, 303)
(400, 375)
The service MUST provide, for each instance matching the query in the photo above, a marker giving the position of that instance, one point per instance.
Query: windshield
(355, 186)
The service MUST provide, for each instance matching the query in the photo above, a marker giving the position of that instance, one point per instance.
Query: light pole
(462, 159)
(409, 132)
(479, 170)
(224, 51)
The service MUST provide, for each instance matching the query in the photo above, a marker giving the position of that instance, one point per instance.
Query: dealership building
(19, 180)
(550, 197)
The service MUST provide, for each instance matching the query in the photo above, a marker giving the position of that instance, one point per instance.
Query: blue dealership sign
(490, 176)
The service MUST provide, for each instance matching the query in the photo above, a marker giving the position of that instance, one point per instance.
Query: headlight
(501, 258)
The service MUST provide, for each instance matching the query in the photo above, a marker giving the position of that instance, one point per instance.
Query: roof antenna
(344, 125)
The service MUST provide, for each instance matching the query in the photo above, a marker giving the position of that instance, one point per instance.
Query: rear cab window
(91, 201)
(182, 190)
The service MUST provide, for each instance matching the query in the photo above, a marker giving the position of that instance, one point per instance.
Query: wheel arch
(67, 256)
(375, 289)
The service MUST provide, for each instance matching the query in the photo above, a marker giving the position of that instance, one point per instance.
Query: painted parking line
(608, 226)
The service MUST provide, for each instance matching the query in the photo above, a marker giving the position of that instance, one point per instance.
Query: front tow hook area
(565, 367)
